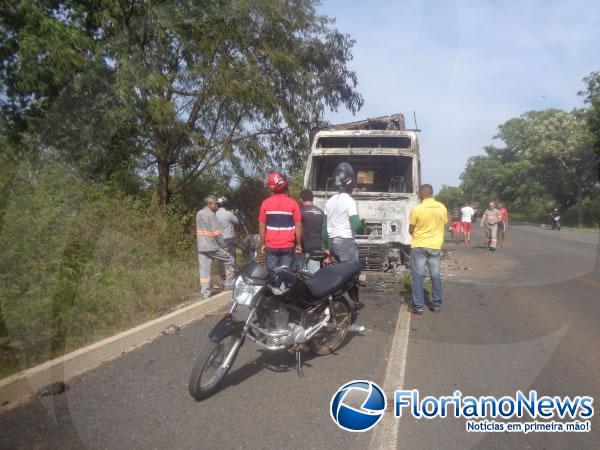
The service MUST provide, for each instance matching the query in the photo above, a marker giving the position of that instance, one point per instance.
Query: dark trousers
(231, 249)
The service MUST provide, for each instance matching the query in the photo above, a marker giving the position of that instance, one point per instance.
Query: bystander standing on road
(467, 212)
(312, 230)
(427, 221)
(456, 224)
(342, 220)
(209, 238)
(279, 224)
(503, 224)
(489, 221)
(228, 220)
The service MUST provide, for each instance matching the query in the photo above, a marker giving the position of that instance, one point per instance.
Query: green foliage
(81, 261)
(451, 197)
(247, 197)
(296, 183)
(591, 211)
(404, 285)
(40, 50)
(177, 88)
(102, 104)
(547, 162)
(592, 115)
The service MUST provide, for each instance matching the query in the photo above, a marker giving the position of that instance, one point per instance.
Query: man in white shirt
(467, 213)
(342, 221)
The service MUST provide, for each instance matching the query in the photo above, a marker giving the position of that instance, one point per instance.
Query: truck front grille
(372, 257)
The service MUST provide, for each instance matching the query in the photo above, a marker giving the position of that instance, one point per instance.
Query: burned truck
(385, 158)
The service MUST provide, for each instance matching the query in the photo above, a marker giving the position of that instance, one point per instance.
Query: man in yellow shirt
(427, 222)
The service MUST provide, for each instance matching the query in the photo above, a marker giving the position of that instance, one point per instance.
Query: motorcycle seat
(331, 278)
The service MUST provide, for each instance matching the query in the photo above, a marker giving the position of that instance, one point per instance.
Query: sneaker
(356, 328)
(435, 309)
(417, 311)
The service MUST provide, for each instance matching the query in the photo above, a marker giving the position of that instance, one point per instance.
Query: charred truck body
(385, 158)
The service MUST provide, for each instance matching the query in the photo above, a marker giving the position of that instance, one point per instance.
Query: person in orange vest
(211, 246)
(490, 220)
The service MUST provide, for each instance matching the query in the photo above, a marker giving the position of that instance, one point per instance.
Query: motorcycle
(250, 244)
(554, 221)
(285, 310)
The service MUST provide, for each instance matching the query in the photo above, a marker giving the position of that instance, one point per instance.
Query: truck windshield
(373, 173)
(364, 142)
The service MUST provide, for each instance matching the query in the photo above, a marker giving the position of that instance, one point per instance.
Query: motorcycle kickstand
(299, 361)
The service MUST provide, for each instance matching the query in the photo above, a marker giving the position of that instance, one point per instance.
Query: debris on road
(171, 330)
(53, 389)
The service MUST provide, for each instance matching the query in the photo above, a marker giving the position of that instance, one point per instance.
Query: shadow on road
(278, 362)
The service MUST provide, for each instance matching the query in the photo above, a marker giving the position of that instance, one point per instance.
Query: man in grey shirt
(490, 220)
(228, 220)
(209, 238)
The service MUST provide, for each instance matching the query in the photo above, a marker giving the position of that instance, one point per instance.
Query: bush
(80, 262)
(591, 212)
(404, 284)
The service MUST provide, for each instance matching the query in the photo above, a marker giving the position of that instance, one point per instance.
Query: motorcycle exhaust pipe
(310, 332)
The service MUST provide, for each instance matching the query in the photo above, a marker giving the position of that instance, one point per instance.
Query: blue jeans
(279, 257)
(344, 249)
(419, 257)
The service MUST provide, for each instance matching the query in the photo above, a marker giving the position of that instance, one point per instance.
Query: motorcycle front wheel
(333, 334)
(212, 364)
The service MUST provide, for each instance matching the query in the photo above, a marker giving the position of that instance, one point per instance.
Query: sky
(466, 66)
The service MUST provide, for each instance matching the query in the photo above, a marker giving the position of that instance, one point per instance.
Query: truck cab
(385, 159)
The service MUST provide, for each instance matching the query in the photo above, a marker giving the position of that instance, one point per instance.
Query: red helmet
(276, 182)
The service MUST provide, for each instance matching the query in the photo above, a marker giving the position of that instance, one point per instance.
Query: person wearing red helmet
(279, 224)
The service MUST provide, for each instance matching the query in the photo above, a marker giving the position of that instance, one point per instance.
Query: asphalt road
(525, 317)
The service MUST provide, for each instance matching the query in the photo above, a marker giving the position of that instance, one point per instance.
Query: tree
(187, 86)
(547, 158)
(233, 81)
(559, 146)
(57, 96)
(43, 45)
(451, 196)
(592, 99)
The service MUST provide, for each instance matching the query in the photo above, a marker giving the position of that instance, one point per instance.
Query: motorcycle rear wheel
(209, 371)
(329, 339)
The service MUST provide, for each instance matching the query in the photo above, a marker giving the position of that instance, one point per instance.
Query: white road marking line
(385, 434)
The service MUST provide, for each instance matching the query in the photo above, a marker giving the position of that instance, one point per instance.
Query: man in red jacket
(279, 224)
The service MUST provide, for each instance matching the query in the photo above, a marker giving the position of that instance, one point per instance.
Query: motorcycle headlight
(244, 293)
